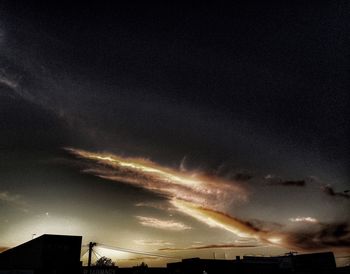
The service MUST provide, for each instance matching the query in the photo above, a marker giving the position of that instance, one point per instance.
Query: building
(49, 254)
(201, 266)
(320, 263)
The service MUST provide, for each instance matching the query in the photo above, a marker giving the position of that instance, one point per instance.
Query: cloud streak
(217, 219)
(212, 246)
(304, 220)
(194, 187)
(280, 182)
(7, 82)
(328, 190)
(152, 243)
(162, 224)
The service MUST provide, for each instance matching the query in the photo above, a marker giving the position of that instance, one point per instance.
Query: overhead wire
(127, 250)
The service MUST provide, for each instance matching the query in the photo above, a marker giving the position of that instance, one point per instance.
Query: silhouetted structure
(323, 263)
(49, 254)
(59, 254)
(200, 266)
(100, 269)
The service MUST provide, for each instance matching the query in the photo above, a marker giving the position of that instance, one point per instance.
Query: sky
(179, 130)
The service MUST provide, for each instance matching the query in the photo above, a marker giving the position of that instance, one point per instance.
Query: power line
(96, 253)
(84, 253)
(136, 251)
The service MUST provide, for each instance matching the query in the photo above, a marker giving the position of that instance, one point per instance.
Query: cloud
(216, 246)
(152, 242)
(205, 198)
(159, 206)
(14, 200)
(217, 219)
(7, 82)
(272, 180)
(200, 196)
(330, 192)
(162, 224)
(5, 196)
(334, 235)
(12, 80)
(303, 220)
(143, 258)
(190, 186)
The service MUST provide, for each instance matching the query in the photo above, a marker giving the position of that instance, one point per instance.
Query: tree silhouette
(141, 269)
(104, 261)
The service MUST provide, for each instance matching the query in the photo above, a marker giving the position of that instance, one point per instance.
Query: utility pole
(91, 245)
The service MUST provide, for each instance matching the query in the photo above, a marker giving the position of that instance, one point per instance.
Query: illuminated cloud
(303, 220)
(206, 199)
(194, 187)
(162, 224)
(199, 196)
(152, 242)
(160, 206)
(216, 219)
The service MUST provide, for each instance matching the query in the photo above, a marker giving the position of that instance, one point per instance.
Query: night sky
(182, 130)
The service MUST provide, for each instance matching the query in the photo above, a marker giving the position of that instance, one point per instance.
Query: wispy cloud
(195, 187)
(162, 224)
(333, 235)
(7, 82)
(304, 220)
(14, 200)
(217, 219)
(273, 180)
(211, 246)
(5, 196)
(197, 195)
(160, 206)
(143, 258)
(332, 193)
(153, 243)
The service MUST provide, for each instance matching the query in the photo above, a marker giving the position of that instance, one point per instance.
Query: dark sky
(249, 100)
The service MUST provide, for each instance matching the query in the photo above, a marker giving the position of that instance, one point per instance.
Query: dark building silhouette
(100, 270)
(320, 263)
(49, 254)
(343, 270)
(200, 266)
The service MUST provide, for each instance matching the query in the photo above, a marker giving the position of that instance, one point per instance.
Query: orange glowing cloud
(205, 199)
(194, 187)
